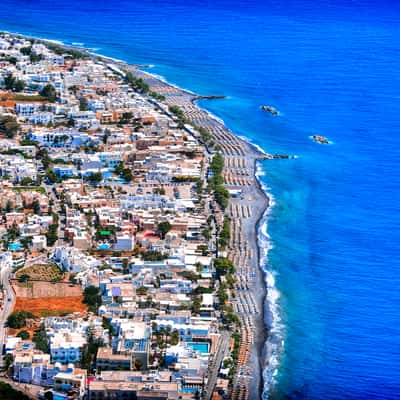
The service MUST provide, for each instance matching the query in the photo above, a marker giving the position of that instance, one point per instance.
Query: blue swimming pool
(59, 396)
(14, 246)
(189, 390)
(202, 348)
(103, 246)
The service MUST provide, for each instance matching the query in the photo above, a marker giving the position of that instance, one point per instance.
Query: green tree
(225, 233)
(8, 126)
(51, 234)
(163, 228)
(34, 58)
(199, 267)
(174, 339)
(36, 206)
(160, 191)
(43, 155)
(11, 83)
(221, 196)
(106, 324)
(92, 297)
(153, 255)
(24, 335)
(224, 266)
(26, 181)
(126, 117)
(137, 83)
(127, 175)
(72, 278)
(9, 206)
(8, 360)
(95, 177)
(196, 305)
(157, 96)
(40, 340)
(207, 233)
(203, 248)
(141, 291)
(17, 319)
(49, 395)
(83, 104)
(70, 123)
(52, 176)
(49, 92)
(23, 278)
(89, 353)
(26, 51)
(217, 164)
(138, 364)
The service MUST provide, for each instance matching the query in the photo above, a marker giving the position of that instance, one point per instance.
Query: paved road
(215, 364)
(8, 305)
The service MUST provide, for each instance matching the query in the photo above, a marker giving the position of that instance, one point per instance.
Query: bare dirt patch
(44, 299)
(41, 289)
(51, 306)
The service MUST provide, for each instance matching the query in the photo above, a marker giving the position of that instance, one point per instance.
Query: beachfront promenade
(245, 210)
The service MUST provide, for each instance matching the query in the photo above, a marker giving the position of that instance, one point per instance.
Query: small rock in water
(320, 139)
(270, 109)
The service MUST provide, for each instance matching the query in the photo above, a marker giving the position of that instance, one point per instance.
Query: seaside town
(129, 264)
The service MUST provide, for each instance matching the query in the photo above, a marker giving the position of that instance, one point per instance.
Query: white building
(124, 242)
(73, 260)
(39, 242)
(43, 118)
(26, 109)
(67, 382)
(67, 347)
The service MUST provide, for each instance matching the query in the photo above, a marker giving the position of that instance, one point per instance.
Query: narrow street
(8, 305)
(215, 364)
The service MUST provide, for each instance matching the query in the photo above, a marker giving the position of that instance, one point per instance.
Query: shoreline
(234, 148)
(262, 331)
(261, 203)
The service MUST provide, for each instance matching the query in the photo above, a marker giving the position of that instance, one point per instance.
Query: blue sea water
(333, 68)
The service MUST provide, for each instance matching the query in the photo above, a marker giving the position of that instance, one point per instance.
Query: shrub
(224, 266)
(92, 297)
(17, 319)
(49, 92)
(40, 340)
(163, 228)
(9, 126)
(8, 393)
(24, 335)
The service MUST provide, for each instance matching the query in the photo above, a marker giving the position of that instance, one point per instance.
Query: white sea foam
(35, 37)
(163, 79)
(259, 148)
(53, 41)
(213, 116)
(93, 53)
(275, 341)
